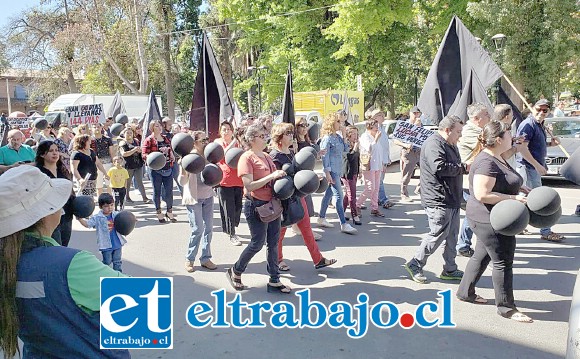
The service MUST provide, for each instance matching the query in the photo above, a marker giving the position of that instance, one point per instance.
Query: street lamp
(498, 42)
(416, 73)
(257, 70)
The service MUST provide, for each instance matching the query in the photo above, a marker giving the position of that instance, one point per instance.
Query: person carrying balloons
(162, 176)
(282, 137)
(198, 200)
(109, 240)
(231, 187)
(491, 181)
(258, 171)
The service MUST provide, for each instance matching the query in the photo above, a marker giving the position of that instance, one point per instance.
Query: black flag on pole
(117, 106)
(459, 54)
(152, 114)
(288, 101)
(211, 102)
(502, 97)
(472, 92)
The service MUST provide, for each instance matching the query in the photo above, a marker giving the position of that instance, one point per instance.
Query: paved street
(369, 262)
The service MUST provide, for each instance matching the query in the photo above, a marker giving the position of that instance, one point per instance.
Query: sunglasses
(262, 136)
(289, 133)
(204, 140)
(302, 125)
(544, 110)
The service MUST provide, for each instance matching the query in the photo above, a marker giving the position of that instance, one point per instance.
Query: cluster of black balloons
(543, 209)
(300, 178)
(84, 206)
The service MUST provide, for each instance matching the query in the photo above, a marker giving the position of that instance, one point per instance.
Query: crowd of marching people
(503, 163)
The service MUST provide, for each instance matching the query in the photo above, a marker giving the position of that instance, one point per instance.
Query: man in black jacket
(441, 193)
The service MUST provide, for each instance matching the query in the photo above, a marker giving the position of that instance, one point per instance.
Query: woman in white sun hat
(49, 295)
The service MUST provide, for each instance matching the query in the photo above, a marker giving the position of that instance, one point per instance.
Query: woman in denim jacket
(332, 161)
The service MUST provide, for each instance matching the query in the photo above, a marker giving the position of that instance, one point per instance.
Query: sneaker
(209, 265)
(406, 199)
(322, 222)
(235, 240)
(317, 236)
(577, 213)
(362, 207)
(356, 220)
(296, 230)
(189, 266)
(455, 275)
(416, 273)
(347, 228)
(466, 252)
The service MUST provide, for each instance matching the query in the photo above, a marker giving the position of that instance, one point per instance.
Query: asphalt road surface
(369, 262)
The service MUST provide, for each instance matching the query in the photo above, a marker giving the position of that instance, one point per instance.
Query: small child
(119, 177)
(109, 240)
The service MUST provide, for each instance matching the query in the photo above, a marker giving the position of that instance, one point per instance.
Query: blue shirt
(536, 138)
(336, 149)
(115, 241)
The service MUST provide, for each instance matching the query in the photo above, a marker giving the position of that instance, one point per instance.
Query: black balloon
(539, 221)
(40, 123)
(313, 131)
(83, 206)
(310, 149)
(122, 119)
(156, 160)
(544, 201)
(116, 129)
(571, 168)
(323, 186)
(509, 217)
(306, 181)
(283, 188)
(289, 169)
(211, 175)
(125, 222)
(213, 152)
(193, 163)
(182, 144)
(304, 160)
(233, 156)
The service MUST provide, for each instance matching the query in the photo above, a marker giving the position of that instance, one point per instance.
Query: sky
(11, 8)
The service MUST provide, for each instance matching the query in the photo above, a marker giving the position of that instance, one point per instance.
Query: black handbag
(292, 211)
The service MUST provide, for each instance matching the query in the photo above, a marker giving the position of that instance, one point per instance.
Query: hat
(415, 109)
(29, 195)
(376, 112)
(542, 102)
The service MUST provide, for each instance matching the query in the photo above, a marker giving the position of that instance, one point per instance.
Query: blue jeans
(158, 181)
(443, 225)
(333, 191)
(200, 217)
(533, 180)
(261, 233)
(175, 174)
(383, 198)
(113, 256)
(465, 233)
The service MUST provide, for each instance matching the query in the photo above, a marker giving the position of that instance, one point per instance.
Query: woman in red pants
(282, 138)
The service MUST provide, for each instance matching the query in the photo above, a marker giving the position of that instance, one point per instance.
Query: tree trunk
(142, 63)
(70, 80)
(169, 91)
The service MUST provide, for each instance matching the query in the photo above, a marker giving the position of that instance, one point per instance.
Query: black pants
(119, 194)
(230, 199)
(500, 250)
(63, 232)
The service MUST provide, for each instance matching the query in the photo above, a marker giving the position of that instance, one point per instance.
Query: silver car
(568, 130)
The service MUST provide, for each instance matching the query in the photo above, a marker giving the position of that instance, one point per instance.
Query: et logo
(136, 313)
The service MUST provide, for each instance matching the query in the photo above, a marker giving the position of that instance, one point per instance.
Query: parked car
(389, 125)
(568, 130)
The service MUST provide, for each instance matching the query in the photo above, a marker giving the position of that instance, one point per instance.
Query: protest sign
(408, 133)
(89, 114)
(20, 122)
